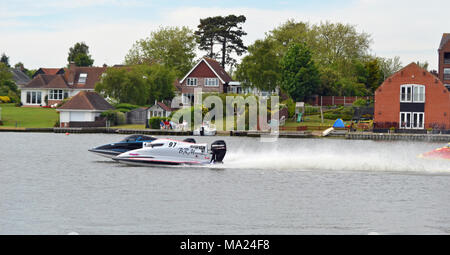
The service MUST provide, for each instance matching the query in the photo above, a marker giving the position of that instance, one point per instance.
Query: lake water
(51, 184)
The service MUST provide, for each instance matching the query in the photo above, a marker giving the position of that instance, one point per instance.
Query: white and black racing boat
(131, 142)
(173, 152)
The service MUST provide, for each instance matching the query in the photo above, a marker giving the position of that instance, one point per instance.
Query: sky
(39, 33)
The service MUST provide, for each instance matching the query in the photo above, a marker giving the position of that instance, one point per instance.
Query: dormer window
(191, 81)
(82, 78)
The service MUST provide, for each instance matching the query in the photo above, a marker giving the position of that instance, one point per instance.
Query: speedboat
(131, 142)
(173, 152)
(439, 153)
(206, 129)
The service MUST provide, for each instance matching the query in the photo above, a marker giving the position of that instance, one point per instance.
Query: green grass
(28, 117)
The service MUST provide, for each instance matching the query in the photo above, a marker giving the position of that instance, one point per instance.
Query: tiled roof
(39, 81)
(444, 40)
(50, 70)
(218, 69)
(215, 67)
(69, 79)
(93, 76)
(87, 100)
(19, 77)
(58, 82)
(164, 107)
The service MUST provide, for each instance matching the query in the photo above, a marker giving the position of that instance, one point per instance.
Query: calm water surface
(51, 184)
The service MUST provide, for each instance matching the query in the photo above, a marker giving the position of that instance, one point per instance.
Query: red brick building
(208, 75)
(444, 59)
(412, 99)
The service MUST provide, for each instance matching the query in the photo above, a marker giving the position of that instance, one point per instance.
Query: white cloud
(409, 29)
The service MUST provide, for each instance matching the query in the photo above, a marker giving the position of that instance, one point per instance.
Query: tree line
(301, 59)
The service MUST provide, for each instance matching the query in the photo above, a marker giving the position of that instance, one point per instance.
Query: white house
(52, 87)
(159, 110)
(83, 109)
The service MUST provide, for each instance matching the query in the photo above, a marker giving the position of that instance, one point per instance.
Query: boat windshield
(137, 138)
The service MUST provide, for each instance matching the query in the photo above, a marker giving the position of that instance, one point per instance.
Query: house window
(57, 94)
(82, 78)
(191, 81)
(34, 97)
(412, 120)
(446, 73)
(446, 57)
(412, 93)
(213, 82)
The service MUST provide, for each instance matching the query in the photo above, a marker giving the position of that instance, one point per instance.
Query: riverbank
(281, 134)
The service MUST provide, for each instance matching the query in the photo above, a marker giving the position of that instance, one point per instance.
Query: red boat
(440, 153)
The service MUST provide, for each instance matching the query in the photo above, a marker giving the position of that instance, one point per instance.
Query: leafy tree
(299, 75)
(261, 68)
(225, 31)
(423, 65)
(173, 47)
(5, 60)
(79, 54)
(139, 85)
(7, 86)
(160, 80)
(389, 66)
(374, 75)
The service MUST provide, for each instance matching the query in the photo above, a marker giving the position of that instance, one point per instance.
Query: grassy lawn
(28, 117)
(311, 120)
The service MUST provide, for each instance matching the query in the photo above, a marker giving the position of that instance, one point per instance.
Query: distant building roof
(50, 71)
(444, 40)
(19, 77)
(73, 77)
(215, 67)
(86, 100)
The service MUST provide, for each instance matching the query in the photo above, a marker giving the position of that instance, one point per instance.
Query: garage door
(77, 116)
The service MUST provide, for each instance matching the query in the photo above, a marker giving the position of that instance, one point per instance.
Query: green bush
(121, 118)
(115, 117)
(128, 107)
(345, 113)
(154, 122)
(290, 105)
(360, 102)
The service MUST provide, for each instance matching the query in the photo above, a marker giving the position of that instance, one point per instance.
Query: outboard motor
(218, 149)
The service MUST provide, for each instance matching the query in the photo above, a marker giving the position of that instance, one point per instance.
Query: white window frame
(412, 93)
(34, 97)
(211, 82)
(191, 82)
(56, 94)
(82, 75)
(414, 120)
(446, 73)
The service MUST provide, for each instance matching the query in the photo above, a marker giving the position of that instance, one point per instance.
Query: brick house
(208, 75)
(53, 85)
(412, 99)
(444, 59)
(83, 110)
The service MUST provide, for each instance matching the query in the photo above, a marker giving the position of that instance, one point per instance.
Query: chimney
(72, 65)
(71, 73)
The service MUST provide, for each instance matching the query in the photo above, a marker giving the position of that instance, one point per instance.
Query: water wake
(369, 157)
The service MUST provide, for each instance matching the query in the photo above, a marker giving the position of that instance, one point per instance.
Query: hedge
(154, 122)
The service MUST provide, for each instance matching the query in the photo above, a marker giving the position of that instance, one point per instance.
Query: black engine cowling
(218, 149)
